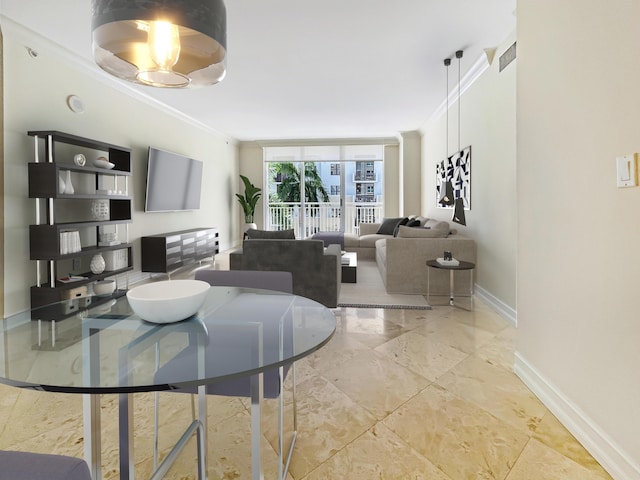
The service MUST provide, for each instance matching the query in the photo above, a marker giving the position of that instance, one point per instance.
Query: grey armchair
(317, 273)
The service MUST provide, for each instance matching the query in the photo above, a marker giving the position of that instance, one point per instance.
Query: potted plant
(249, 201)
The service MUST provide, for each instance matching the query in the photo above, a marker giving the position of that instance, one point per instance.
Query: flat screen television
(174, 182)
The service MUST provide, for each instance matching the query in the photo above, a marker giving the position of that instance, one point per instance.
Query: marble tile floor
(396, 394)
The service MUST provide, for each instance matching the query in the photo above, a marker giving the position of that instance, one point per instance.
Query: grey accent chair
(276, 281)
(241, 387)
(317, 273)
(41, 466)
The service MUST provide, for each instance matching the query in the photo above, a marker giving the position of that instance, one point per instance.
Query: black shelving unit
(45, 235)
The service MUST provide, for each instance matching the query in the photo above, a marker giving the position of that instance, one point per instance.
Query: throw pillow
(402, 222)
(254, 234)
(413, 223)
(388, 226)
(420, 232)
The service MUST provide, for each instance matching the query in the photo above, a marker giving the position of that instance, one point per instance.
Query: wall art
(453, 184)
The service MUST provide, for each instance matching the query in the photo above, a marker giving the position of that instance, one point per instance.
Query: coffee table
(452, 269)
(350, 270)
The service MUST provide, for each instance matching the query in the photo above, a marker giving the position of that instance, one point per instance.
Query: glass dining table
(238, 333)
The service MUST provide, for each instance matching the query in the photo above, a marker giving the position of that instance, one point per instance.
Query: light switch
(627, 170)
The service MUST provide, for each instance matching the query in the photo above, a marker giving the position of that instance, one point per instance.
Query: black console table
(168, 252)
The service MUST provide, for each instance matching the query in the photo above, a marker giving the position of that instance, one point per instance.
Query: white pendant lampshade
(161, 43)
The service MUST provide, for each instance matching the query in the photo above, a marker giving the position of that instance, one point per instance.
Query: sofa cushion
(254, 234)
(369, 241)
(389, 225)
(351, 240)
(421, 232)
(438, 225)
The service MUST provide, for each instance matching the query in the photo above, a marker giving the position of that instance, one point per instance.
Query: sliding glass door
(321, 189)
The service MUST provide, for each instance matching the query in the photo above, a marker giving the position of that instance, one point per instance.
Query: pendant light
(446, 189)
(161, 43)
(458, 208)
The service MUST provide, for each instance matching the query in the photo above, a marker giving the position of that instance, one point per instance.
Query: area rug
(369, 292)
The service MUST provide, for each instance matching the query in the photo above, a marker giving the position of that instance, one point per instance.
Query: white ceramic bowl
(168, 301)
(103, 163)
(104, 287)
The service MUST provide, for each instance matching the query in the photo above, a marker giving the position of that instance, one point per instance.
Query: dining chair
(272, 379)
(41, 466)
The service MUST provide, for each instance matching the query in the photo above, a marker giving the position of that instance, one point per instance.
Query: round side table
(452, 269)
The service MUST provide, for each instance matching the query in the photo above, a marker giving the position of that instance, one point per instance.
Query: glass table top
(106, 348)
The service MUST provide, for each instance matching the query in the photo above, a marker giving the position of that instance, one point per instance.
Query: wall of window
(323, 188)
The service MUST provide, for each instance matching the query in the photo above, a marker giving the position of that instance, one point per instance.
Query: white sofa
(401, 259)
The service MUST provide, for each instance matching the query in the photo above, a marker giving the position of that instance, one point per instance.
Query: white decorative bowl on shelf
(104, 287)
(168, 301)
(102, 162)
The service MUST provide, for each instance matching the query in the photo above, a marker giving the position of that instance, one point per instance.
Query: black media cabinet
(168, 252)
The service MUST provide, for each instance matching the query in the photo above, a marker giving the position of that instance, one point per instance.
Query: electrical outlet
(77, 264)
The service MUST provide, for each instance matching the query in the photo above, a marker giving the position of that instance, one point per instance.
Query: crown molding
(317, 142)
(469, 78)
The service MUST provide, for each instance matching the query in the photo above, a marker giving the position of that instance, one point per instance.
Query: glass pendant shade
(161, 43)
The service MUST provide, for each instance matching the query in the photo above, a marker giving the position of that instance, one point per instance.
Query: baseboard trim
(613, 458)
(502, 308)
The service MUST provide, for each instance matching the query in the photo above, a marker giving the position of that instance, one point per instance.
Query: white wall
(487, 123)
(392, 182)
(578, 257)
(35, 91)
(252, 166)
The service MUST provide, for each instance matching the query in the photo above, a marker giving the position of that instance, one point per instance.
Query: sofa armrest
(333, 249)
(369, 228)
(402, 263)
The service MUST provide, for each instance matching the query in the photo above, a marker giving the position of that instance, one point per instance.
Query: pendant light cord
(459, 56)
(447, 62)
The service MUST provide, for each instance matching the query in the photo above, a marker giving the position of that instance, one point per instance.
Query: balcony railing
(364, 177)
(320, 217)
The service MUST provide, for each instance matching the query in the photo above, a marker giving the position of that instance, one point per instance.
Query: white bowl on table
(168, 301)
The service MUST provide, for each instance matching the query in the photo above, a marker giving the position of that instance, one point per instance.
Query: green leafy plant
(250, 199)
(288, 189)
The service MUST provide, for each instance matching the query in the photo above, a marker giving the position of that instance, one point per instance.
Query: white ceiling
(315, 69)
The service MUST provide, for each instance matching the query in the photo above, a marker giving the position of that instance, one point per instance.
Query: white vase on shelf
(97, 264)
(68, 186)
(61, 184)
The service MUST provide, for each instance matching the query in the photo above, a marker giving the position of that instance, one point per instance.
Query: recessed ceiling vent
(507, 57)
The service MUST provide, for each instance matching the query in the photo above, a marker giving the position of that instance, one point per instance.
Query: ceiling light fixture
(161, 43)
